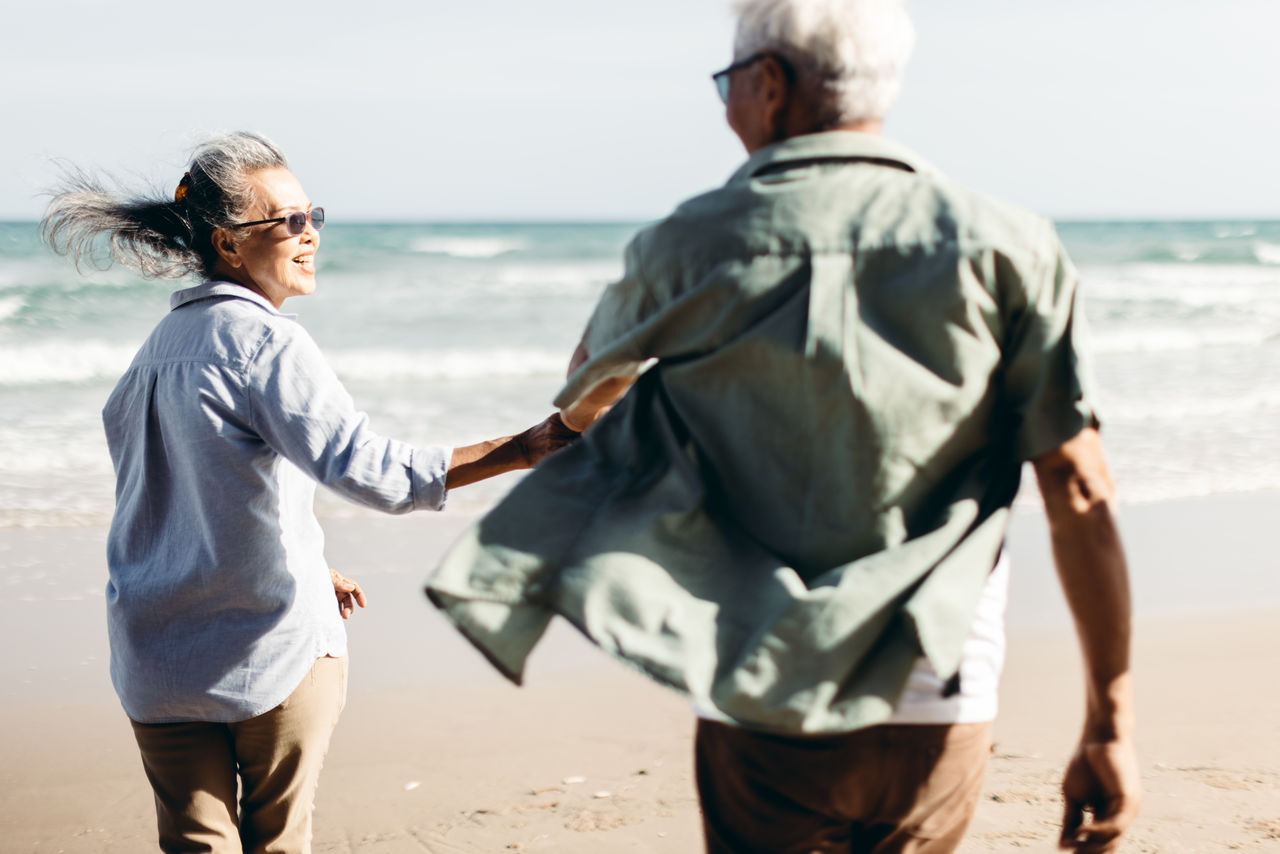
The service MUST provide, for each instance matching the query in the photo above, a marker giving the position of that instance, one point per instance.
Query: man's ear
(226, 247)
(776, 92)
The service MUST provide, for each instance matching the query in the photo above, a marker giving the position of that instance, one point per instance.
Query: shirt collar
(831, 145)
(221, 289)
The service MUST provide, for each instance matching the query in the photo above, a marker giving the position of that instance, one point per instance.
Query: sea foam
(574, 279)
(90, 361)
(469, 247)
(63, 362)
(1169, 339)
(10, 306)
(1267, 253)
(1257, 403)
(1195, 286)
(399, 365)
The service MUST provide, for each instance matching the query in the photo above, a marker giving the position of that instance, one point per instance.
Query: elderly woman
(227, 648)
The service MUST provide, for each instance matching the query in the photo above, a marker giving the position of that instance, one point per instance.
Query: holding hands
(545, 437)
(473, 463)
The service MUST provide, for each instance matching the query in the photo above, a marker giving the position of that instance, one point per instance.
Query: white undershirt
(981, 662)
(980, 666)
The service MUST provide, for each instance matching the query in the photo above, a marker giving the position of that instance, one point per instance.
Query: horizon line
(611, 220)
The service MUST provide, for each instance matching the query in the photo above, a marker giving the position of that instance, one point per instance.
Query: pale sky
(589, 109)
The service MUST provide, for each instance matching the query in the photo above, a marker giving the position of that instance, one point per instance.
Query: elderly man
(821, 382)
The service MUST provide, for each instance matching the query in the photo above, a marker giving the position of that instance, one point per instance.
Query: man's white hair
(856, 48)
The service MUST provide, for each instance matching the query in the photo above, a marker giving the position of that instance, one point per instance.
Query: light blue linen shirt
(219, 599)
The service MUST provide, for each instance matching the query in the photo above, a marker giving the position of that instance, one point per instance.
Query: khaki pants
(882, 790)
(276, 756)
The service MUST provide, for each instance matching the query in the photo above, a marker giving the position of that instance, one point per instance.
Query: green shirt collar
(831, 145)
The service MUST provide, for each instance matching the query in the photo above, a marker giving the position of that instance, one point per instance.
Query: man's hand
(592, 407)
(348, 593)
(544, 438)
(1102, 779)
(585, 411)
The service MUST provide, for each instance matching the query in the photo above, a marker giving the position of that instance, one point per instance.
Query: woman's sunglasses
(294, 223)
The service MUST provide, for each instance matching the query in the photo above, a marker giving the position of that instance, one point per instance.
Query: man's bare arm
(1103, 775)
(584, 411)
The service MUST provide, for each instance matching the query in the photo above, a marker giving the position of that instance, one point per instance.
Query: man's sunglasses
(294, 223)
(721, 78)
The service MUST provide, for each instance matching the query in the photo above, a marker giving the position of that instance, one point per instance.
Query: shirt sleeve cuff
(428, 467)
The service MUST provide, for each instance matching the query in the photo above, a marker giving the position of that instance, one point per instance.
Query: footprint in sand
(1268, 829)
(1233, 780)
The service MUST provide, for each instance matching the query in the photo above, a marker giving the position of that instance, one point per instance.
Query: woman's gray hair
(162, 236)
(855, 50)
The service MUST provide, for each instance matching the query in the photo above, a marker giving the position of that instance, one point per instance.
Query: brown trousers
(883, 790)
(276, 756)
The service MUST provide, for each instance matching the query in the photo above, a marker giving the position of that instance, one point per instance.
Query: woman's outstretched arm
(471, 463)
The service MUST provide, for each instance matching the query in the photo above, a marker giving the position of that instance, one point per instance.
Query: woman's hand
(348, 593)
(544, 438)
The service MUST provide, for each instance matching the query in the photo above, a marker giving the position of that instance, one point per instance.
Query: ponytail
(161, 238)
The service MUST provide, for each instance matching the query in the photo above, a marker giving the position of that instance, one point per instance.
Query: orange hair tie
(183, 185)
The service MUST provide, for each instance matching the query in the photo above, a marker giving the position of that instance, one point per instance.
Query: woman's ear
(226, 247)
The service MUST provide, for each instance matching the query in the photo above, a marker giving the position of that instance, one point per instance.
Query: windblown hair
(157, 236)
(854, 50)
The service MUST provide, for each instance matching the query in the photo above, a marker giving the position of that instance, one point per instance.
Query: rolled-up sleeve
(429, 467)
(622, 308)
(302, 411)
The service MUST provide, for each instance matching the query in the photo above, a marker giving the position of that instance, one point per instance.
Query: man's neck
(871, 126)
(875, 126)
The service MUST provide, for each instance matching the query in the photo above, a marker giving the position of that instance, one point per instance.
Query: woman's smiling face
(267, 258)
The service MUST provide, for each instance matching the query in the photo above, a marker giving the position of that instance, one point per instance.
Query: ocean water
(458, 332)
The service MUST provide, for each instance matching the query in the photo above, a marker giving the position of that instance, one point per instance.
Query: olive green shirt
(842, 362)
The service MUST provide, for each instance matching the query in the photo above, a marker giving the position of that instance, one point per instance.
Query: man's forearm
(1095, 580)
(1091, 565)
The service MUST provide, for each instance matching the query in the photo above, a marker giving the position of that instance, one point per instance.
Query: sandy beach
(436, 753)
